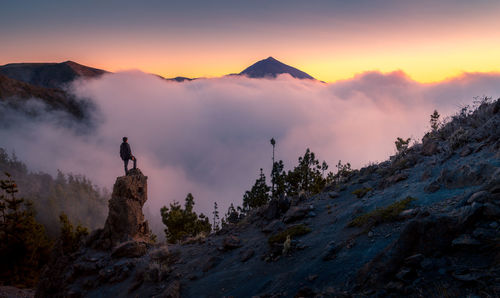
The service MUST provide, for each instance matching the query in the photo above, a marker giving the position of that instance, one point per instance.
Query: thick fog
(210, 136)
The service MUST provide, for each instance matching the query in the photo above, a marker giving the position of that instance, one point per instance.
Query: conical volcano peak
(270, 67)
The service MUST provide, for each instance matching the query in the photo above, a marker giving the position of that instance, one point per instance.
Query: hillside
(424, 223)
(16, 93)
(49, 75)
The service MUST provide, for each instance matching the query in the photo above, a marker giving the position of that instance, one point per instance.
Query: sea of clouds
(211, 136)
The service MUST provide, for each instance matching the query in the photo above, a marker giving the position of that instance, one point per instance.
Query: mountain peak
(270, 67)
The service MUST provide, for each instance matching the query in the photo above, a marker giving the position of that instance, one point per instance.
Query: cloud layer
(211, 136)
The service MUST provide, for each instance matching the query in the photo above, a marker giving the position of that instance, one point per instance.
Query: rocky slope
(424, 223)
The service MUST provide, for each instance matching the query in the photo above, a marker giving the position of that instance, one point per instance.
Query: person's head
(125, 139)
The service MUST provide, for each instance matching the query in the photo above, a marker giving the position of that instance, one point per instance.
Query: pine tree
(181, 223)
(306, 175)
(278, 178)
(258, 195)
(24, 245)
(435, 121)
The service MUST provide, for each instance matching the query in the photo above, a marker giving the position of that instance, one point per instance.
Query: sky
(430, 41)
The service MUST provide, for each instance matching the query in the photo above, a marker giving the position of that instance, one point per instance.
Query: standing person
(126, 154)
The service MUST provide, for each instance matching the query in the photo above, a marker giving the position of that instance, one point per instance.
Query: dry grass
(292, 232)
(381, 215)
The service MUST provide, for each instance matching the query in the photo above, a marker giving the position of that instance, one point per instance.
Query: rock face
(125, 220)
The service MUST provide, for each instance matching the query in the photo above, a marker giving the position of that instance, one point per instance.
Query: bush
(293, 231)
(381, 215)
(183, 223)
(361, 192)
(70, 237)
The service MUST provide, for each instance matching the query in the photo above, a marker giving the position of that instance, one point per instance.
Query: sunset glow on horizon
(330, 40)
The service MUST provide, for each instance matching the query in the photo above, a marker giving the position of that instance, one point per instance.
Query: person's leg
(125, 162)
(135, 162)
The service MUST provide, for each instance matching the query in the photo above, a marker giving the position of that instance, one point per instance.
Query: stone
(468, 277)
(246, 255)
(231, 242)
(333, 194)
(160, 253)
(414, 260)
(396, 178)
(330, 251)
(406, 274)
(395, 286)
(427, 264)
(491, 211)
(173, 290)
(211, 263)
(493, 225)
(432, 187)
(370, 234)
(274, 226)
(465, 241)
(466, 151)
(429, 146)
(295, 213)
(484, 234)
(480, 197)
(129, 249)
(409, 213)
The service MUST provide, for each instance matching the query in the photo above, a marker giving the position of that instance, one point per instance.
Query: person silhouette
(126, 154)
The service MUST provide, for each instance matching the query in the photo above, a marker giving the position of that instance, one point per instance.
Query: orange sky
(329, 40)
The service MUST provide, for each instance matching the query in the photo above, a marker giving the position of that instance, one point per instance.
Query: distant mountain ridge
(271, 67)
(49, 75)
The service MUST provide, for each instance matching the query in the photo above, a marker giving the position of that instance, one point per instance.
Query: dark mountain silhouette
(271, 67)
(49, 75)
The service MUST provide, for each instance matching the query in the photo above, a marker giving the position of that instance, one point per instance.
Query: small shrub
(402, 145)
(292, 232)
(381, 215)
(459, 138)
(361, 192)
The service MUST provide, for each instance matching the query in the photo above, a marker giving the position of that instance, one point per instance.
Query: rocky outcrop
(111, 255)
(125, 220)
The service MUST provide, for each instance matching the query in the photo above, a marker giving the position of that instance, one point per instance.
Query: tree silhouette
(182, 223)
(24, 245)
(258, 195)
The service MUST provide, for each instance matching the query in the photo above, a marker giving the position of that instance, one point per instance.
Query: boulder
(246, 255)
(465, 241)
(231, 242)
(429, 146)
(130, 249)
(274, 226)
(396, 178)
(491, 211)
(173, 290)
(333, 194)
(296, 213)
(479, 197)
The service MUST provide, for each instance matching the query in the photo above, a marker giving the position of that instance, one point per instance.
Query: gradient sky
(330, 40)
